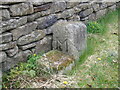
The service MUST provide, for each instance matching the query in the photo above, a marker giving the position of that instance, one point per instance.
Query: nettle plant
(94, 27)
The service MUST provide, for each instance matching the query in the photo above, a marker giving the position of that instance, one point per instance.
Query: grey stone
(110, 3)
(3, 57)
(12, 24)
(103, 5)
(4, 6)
(44, 45)
(95, 7)
(92, 17)
(67, 13)
(71, 4)
(27, 53)
(21, 9)
(57, 6)
(5, 37)
(12, 52)
(69, 37)
(112, 8)
(7, 46)
(11, 62)
(45, 22)
(86, 12)
(34, 36)
(23, 30)
(74, 18)
(5, 14)
(101, 13)
(34, 16)
(27, 46)
(84, 6)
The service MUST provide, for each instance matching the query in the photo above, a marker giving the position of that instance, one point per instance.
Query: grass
(90, 71)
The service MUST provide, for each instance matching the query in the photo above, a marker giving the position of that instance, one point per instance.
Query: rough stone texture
(3, 56)
(5, 14)
(101, 13)
(34, 36)
(12, 23)
(21, 9)
(7, 46)
(46, 21)
(95, 7)
(69, 37)
(44, 45)
(27, 46)
(66, 14)
(71, 4)
(58, 6)
(12, 52)
(55, 60)
(6, 37)
(112, 8)
(92, 17)
(86, 12)
(23, 30)
(34, 16)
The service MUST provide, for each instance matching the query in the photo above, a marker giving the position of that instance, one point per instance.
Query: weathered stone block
(84, 6)
(112, 8)
(101, 13)
(45, 22)
(12, 24)
(5, 37)
(7, 46)
(5, 14)
(44, 45)
(71, 4)
(92, 17)
(57, 6)
(95, 7)
(3, 57)
(34, 16)
(69, 37)
(86, 12)
(23, 30)
(21, 9)
(12, 52)
(28, 46)
(56, 60)
(34, 36)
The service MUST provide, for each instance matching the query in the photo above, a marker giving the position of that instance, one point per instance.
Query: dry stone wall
(25, 27)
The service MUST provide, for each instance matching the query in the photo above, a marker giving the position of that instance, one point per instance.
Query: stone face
(3, 57)
(92, 17)
(21, 9)
(69, 37)
(23, 30)
(103, 5)
(5, 14)
(46, 21)
(6, 37)
(34, 36)
(7, 46)
(101, 13)
(112, 8)
(42, 7)
(12, 23)
(71, 4)
(44, 45)
(67, 13)
(95, 7)
(27, 46)
(86, 12)
(84, 6)
(32, 17)
(12, 52)
(55, 60)
(57, 6)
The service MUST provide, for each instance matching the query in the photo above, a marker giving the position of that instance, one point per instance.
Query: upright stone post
(69, 37)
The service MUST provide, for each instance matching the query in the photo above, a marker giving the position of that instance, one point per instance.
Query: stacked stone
(25, 26)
